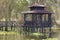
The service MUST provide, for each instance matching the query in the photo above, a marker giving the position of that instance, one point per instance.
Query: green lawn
(47, 39)
(51, 39)
(14, 35)
(10, 32)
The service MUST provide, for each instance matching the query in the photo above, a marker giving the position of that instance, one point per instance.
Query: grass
(36, 34)
(51, 39)
(10, 32)
(12, 36)
(9, 35)
(47, 39)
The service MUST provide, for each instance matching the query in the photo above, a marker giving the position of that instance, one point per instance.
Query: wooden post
(11, 28)
(34, 22)
(50, 24)
(41, 24)
(50, 32)
(42, 29)
(14, 27)
(2, 27)
(24, 22)
(6, 25)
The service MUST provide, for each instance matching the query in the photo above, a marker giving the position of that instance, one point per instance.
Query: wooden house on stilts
(37, 19)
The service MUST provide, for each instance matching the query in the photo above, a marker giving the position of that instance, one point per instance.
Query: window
(38, 17)
(45, 17)
(38, 20)
(29, 17)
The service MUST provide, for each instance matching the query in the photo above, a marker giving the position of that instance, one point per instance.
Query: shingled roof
(37, 11)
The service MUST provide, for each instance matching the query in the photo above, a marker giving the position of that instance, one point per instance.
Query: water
(22, 36)
(8, 37)
(18, 37)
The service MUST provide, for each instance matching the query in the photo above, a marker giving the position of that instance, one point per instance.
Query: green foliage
(19, 5)
(36, 34)
(54, 6)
